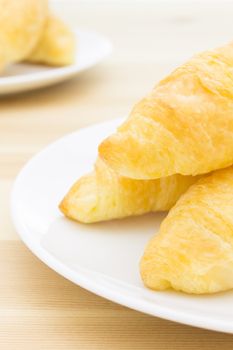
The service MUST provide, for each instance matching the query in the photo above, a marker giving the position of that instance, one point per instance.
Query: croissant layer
(184, 126)
(103, 195)
(22, 22)
(193, 251)
(56, 46)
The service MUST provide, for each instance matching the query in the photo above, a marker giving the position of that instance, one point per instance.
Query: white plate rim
(84, 282)
(56, 73)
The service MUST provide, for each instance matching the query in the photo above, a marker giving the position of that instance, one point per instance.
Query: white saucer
(91, 49)
(102, 258)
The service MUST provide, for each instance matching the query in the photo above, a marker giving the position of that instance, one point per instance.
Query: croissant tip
(103, 148)
(62, 206)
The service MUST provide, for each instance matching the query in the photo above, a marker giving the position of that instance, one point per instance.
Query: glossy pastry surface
(103, 195)
(193, 251)
(184, 126)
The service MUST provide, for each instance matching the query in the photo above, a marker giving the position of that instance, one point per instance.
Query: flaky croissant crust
(103, 195)
(185, 125)
(193, 251)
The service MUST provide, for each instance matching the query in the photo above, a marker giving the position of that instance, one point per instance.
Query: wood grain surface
(39, 309)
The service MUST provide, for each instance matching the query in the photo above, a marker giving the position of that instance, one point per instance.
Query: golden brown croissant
(193, 251)
(22, 22)
(56, 45)
(184, 126)
(103, 195)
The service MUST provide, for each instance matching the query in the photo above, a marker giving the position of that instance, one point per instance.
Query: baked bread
(56, 46)
(184, 126)
(22, 22)
(193, 251)
(103, 195)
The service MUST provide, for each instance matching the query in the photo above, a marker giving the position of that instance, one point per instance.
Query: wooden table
(38, 308)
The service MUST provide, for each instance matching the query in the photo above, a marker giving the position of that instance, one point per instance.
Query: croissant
(22, 22)
(193, 251)
(29, 32)
(184, 126)
(103, 195)
(56, 45)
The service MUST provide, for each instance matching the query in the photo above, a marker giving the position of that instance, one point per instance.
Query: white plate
(91, 49)
(102, 258)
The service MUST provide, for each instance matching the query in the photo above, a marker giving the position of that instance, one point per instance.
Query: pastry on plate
(56, 46)
(22, 22)
(193, 250)
(184, 126)
(103, 195)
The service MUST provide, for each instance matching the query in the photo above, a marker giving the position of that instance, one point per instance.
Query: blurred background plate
(91, 49)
